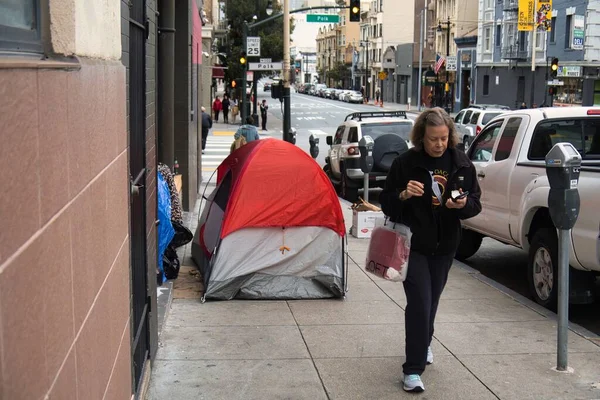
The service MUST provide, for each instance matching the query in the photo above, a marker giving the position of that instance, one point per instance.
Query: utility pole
(420, 63)
(255, 81)
(244, 99)
(287, 118)
(446, 66)
(533, 46)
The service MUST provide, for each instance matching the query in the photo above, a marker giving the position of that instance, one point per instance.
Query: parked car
(509, 156)
(354, 97)
(390, 131)
(470, 121)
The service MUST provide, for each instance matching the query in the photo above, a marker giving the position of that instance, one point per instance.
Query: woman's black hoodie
(435, 232)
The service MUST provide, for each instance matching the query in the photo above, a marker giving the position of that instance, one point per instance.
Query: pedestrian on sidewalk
(225, 104)
(377, 96)
(206, 125)
(248, 130)
(421, 191)
(217, 107)
(235, 109)
(245, 133)
(263, 114)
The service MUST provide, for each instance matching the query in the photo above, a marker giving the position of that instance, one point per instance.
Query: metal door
(140, 301)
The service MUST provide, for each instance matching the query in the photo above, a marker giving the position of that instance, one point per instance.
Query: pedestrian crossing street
(217, 149)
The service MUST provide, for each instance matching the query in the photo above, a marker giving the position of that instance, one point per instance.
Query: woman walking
(217, 107)
(430, 188)
(225, 104)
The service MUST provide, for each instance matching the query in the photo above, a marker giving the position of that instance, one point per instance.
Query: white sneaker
(413, 383)
(429, 355)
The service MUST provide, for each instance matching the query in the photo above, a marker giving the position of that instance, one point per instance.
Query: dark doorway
(140, 302)
(465, 90)
(520, 91)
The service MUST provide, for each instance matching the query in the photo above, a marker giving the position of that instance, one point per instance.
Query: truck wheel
(467, 143)
(347, 192)
(469, 244)
(542, 268)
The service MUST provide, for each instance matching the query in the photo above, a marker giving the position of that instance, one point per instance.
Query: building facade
(505, 55)
(78, 257)
(65, 243)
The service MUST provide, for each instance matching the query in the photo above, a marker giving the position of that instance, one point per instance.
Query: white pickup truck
(509, 157)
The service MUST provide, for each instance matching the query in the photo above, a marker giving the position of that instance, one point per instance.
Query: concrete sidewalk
(488, 344)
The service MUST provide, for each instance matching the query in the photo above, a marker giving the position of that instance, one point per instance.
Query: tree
(339, 73)
(271, 34)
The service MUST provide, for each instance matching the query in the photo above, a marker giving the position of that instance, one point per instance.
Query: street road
(505, 264)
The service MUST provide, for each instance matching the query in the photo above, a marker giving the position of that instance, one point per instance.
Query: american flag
(439, 61)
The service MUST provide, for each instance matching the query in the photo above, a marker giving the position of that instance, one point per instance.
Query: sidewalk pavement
(489, 343)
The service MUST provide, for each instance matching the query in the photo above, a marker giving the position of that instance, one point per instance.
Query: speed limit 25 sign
(253, 46)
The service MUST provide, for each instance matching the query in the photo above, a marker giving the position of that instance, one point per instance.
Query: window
(486, 85)
(353, 135)
(523, 40)
(401, 129)
(458, 118)
(474, 118)
(498, 35)
(509, 134)
(338, 135)
(467, 117)
(568, 26)
(487, 39)
(540, 40)
(583, 134)
(487, 117)
(481, 150)
(553, 30)
(20, 26)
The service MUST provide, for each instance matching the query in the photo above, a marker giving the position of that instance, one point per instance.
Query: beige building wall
(64, 244)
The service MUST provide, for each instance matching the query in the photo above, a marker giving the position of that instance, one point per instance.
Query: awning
(218, 72)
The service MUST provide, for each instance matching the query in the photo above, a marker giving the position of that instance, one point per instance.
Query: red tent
(275, 183)
(272, 228)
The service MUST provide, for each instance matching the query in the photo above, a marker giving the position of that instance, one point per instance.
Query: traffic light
(551, 91)
(233, 84)
(354, 10)
(554, 68)
(243, 58)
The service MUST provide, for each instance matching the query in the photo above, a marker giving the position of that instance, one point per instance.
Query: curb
(575, 328)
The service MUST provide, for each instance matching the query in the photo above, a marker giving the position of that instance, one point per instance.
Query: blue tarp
(165, 227)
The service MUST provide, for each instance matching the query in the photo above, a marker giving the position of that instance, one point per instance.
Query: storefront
(570, 91)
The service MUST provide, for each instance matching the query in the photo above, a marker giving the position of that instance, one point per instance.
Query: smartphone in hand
(457, 195)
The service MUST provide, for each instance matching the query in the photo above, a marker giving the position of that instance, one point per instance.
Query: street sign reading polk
(253, 46)
(324, 18)
(272, 66)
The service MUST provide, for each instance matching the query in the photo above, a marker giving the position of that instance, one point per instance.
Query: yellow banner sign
(525, 15)
(535, 12)
(544, 15)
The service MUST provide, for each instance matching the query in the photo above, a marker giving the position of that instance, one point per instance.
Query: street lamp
(270, 7)
(447, 84)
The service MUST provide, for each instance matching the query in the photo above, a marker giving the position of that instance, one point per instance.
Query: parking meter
(365, 145)
(314, 146)
(563, 163)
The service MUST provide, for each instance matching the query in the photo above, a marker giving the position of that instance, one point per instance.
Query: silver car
(470, 121)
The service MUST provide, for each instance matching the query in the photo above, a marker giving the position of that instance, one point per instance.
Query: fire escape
(514, 43)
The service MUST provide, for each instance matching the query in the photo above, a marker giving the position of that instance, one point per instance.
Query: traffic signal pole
(243, 100)
(286, 58)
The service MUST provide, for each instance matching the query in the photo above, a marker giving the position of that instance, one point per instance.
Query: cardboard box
(363, 223)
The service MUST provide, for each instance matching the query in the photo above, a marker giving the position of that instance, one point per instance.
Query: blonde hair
(433, 117)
